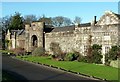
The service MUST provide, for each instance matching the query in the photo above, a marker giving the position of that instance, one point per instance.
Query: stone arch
(34, 41)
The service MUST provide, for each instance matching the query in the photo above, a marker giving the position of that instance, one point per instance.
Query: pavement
(23, 70)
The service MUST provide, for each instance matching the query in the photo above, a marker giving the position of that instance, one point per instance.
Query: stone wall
(20, 41)
(82, 39)
(105, 35)
(66, 40)
(77, 40)
(105, 32)
(119, 34)
(35, 29)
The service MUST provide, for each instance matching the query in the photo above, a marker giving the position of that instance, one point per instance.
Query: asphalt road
(28, 71)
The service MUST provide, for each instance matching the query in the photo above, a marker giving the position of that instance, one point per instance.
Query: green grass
(100, 71)
(5, 51)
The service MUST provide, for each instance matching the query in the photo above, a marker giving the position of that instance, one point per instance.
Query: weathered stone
(105, 32)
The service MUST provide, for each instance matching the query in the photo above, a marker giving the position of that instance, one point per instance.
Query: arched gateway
(34, 41)
(34, 36)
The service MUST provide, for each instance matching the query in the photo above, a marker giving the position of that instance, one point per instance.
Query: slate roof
(69, 28)
(66, 28)
(85, 24)
(50, 28)
(118, 15)
(18, 32)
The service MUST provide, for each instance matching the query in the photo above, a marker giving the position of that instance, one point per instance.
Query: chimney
(93, 22)
(95, 19)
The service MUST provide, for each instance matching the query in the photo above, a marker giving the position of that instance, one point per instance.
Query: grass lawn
(100, 71)
(5, 51)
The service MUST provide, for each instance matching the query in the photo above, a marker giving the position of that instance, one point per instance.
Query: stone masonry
(105, 32)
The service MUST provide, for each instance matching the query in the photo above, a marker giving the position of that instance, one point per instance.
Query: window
(107, 49)
(107, 38)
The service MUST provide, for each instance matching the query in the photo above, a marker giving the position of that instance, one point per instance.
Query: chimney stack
(93, 22)
(95, 19)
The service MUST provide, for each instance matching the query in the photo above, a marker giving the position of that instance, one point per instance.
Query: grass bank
(99, 71)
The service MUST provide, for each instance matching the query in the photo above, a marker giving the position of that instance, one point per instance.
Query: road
(23, 70)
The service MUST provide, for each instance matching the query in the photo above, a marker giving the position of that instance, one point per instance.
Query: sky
(85, 10)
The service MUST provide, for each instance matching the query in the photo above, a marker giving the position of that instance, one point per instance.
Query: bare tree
(5, 22)
(58, 21)
(67, 21)
(61, 21)
(77, 20)
(30, 18)
(46, 20)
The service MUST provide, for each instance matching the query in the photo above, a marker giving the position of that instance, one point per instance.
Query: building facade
(105, 32)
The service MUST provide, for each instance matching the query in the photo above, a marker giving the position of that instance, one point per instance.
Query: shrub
(82, 59)
(95, 54)
(61, 56)
(69, 57)
(53, 56)
(55, 48)
(19, 51)
(38, 51)
(112, 55)
(46, 54)
(96, 57)
(76, 55)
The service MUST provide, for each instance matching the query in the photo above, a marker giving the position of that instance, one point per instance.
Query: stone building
(105, 32)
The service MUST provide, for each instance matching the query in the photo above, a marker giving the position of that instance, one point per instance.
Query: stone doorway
(34, 41)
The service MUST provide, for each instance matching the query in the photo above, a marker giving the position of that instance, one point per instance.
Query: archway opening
(34, 41)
